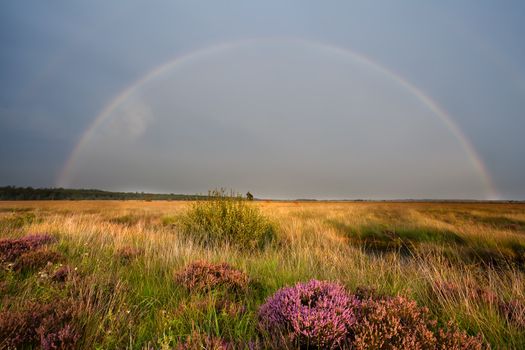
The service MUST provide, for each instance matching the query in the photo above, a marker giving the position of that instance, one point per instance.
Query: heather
(323, 315)
(46, 325)
(11, 249)
(63, 273)
(131, 275)
(315, 314)
(36, 259)
(205, 276)
(399, 323)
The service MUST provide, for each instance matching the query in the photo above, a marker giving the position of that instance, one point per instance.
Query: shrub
(399, 323)
(64, 338)
(315, 314)
(393, 323)
(48, 325)
(10, 249)
(365, 292)
(36, 259)
(62, 273)
(227, 219)
(322, 315)
(451, 338)
(204, 276)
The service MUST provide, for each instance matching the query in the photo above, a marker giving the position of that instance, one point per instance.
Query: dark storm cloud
(61, 63)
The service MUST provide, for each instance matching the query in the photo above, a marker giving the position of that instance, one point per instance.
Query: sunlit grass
(135, 303)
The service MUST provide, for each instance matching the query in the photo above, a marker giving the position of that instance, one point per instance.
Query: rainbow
(64, 177)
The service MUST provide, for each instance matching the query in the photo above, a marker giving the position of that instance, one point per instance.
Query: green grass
(137, 303)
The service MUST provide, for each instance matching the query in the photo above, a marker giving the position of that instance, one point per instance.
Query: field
(118, 262)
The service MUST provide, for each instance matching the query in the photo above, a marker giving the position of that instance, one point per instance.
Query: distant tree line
(30, 193)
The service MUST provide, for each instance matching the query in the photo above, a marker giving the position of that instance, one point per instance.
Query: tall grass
(137, 302)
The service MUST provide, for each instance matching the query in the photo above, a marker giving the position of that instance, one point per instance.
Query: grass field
(465, 262)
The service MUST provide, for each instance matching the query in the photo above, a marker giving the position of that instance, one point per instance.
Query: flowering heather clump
(63, 339)
(393, 323)
(62, 273)
(399, 323)
(128, 254)
(36, 259)
(451, 338)
(364, 292)
(48, 325)
(203, 276)
(316, 314)
(10, 249)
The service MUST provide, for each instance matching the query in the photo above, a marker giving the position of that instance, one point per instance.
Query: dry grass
(396, 248)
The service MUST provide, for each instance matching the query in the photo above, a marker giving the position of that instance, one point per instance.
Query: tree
(249, 196)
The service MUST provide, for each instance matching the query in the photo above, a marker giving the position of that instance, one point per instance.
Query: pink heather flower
(204, 276)
(10, 249)
(315, 314)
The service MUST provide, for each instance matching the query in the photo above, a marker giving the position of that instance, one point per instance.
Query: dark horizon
(31, 193)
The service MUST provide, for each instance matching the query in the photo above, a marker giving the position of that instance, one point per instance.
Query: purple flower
(314, 314)
(10, 249)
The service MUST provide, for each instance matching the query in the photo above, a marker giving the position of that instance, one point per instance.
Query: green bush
(228, 219)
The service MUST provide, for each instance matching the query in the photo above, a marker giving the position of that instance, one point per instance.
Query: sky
(285, 99)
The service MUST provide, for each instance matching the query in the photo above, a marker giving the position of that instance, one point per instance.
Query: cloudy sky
(287, 99)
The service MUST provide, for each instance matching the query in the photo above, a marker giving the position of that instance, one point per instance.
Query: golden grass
(139, 310)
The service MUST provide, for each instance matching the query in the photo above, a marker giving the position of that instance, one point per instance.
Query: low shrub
(393, 323)
(322, 315)
(315, 314)
(64, 338)
(62, 274)
(47, 325)
(365, 292)
(204, 276)
(11, 249)
(452, 338)
(399, 323)
(36, 259)
(227, 219)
